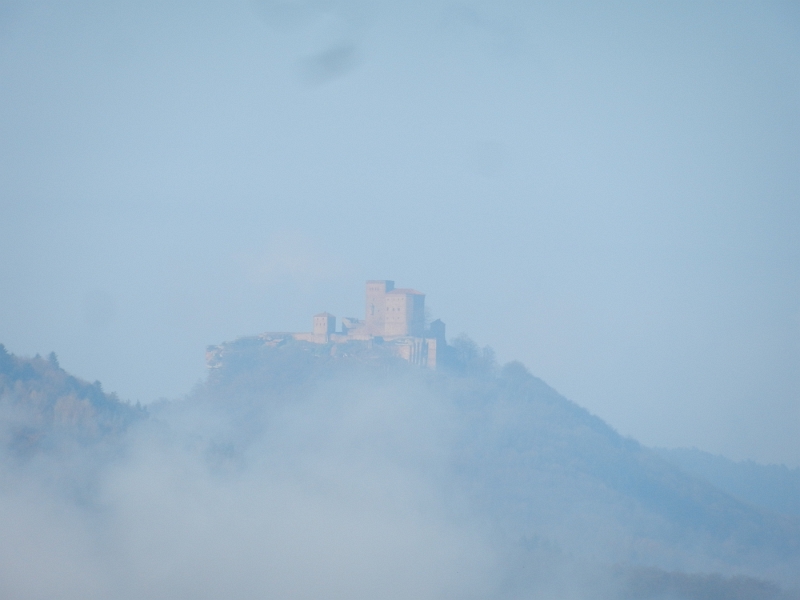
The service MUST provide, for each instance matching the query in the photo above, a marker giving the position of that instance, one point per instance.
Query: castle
(394, 319)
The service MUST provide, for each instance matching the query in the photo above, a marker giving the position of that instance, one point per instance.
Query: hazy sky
(609, 193)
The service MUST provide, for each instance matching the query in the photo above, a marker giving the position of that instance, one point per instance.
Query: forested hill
(539, 466)
(41, 405)
(357, 462)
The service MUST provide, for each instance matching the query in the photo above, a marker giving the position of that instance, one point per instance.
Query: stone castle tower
(394, 312)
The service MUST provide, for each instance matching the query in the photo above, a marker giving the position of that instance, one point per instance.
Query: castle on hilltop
(394, 320)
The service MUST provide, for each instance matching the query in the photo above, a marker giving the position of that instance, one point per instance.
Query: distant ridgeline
(394, 325)
(41, 404)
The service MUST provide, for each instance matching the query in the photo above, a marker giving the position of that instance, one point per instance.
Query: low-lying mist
(290, 475)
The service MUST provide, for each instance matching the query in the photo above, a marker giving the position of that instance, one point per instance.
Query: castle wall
(376, 305)
(405, 313)
(411, 349)
(432, 355)
(396, 322)
(324, 323)
(415, 317)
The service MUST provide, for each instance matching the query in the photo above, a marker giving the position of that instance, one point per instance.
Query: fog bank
(294, 473)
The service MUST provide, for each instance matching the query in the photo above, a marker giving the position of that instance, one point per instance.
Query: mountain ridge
(494, 447)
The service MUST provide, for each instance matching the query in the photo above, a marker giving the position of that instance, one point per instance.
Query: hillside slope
(539, 467)
(42, 406)
(774, 487)
(294, 471)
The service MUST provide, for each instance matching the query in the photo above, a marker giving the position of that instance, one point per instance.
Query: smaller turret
(324, 326)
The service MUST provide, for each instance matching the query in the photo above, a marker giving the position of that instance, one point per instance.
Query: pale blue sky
(609, 193)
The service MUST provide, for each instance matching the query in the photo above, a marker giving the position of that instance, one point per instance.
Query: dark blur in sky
(608, 192)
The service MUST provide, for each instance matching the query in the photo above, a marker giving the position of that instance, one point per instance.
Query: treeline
(41, 406)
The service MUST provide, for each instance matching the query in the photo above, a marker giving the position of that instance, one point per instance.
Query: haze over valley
(297, 471)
